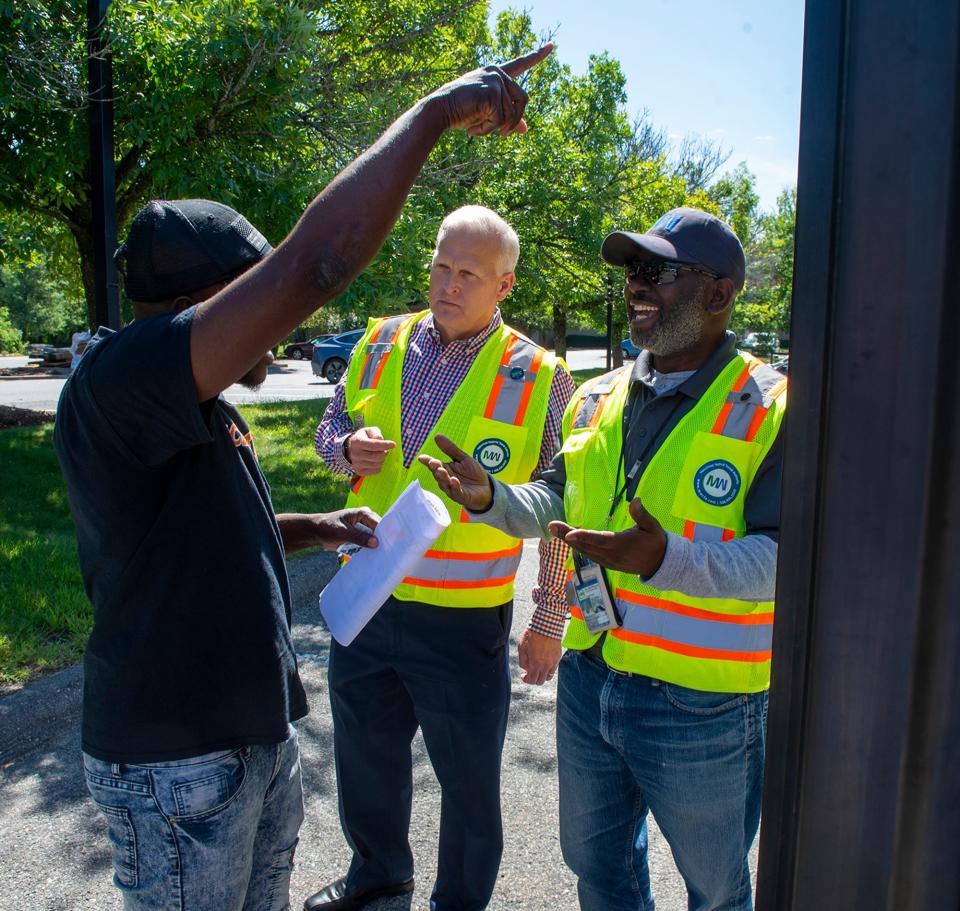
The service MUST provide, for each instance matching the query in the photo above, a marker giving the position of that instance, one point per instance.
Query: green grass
(283, 435)
(581, 376)
(45, 617)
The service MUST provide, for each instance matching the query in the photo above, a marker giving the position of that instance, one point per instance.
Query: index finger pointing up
(520, 65)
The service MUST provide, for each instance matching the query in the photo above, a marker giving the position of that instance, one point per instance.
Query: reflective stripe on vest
(520, 361)
(447, 568)
(378, 350)
(592, 400)
(690, 630)
(740, 417)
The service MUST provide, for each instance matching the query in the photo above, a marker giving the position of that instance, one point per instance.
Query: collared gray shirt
(744, 568)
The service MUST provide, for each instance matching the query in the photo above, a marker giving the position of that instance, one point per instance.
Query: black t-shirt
(180, 553)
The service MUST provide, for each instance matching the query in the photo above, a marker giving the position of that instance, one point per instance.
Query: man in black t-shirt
(190, 679)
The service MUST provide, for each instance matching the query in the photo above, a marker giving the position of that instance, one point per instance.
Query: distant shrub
(11, 338)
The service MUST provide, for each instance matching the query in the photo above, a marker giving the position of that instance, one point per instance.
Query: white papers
(405, 533)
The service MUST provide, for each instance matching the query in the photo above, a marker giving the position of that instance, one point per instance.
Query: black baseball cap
(684, 235)
(178, 246)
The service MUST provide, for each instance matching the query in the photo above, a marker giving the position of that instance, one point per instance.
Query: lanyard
(655, 440)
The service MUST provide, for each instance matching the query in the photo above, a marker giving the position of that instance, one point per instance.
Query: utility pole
(609, 321)
(102, 178)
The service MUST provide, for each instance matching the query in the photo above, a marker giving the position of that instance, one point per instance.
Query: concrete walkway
(53, 843)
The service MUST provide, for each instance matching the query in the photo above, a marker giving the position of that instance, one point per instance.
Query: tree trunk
(560, 329)
(83, 236)
(619, 330)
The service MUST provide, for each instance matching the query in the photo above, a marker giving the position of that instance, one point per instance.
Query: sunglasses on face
(661, 271)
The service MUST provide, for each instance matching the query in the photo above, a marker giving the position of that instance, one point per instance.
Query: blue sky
(728, 70)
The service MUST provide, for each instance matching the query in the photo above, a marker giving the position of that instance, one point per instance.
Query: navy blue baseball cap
(178, 246)
(683, 235)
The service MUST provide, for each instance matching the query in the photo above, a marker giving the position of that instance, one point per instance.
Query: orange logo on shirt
(240, 439)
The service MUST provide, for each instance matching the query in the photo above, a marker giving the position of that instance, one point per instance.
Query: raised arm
(345, 226)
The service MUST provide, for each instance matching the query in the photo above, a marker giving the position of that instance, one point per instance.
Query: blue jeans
(629, 744)
(216, 831)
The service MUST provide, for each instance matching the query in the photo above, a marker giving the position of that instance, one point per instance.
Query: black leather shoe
(335, 897)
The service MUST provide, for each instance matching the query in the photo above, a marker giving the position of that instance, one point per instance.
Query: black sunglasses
(661, 271)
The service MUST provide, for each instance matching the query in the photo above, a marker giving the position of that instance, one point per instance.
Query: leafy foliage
(258, 103)
(765, 303)
(11, 338)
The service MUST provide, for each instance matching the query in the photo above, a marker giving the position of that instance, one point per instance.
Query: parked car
(763, 343)
(782, 365)
(628, 348)
(330, 356)
(300, 350)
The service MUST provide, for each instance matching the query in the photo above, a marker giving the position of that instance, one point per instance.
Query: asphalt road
(53, 843)
(287, 381)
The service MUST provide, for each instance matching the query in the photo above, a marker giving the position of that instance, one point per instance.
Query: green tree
(584, 172)
(258, 102)
(39, 303)
(764, 305)
(736, 198)
(11, 339)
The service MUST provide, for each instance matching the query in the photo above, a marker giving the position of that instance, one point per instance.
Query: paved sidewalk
(53, 844)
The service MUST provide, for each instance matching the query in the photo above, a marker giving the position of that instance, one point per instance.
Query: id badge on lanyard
(593, 595)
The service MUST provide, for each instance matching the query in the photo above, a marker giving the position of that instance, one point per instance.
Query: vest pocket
(500, 448)
(715, 477)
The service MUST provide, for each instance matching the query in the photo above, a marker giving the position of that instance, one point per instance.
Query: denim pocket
(203, 789)
(123, 839)
(701, 702)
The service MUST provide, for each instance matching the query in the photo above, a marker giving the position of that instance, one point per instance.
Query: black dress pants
(447, 671)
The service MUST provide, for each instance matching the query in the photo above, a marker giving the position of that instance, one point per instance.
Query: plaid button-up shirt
(430, 376)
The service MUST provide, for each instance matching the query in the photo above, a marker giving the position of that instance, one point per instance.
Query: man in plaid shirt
(463, 708)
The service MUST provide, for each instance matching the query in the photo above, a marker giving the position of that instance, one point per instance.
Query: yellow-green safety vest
(497, 415)
(695, 485)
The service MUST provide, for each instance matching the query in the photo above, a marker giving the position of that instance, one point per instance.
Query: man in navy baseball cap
(683, 235)
(682, 276)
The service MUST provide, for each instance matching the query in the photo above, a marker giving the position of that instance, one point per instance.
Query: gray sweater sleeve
(523, 510)
(744, 568)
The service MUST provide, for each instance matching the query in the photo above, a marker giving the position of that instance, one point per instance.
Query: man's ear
(181, 303)
(721, 296)
(506, 285)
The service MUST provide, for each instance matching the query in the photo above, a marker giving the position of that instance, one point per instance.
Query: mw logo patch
(717, 482)
(492, 454)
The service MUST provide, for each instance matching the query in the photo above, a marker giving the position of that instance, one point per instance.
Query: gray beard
(678, 330)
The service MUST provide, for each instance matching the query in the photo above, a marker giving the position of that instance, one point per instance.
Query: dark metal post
(103, 196)
(862, 792)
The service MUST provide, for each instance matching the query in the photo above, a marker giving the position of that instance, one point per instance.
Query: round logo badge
(717, 482)
(516, 373)
(492, 454)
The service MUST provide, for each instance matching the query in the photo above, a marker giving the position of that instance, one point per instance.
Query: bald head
(486, 226)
